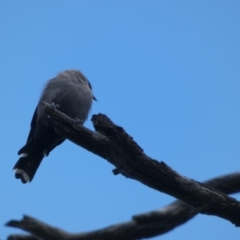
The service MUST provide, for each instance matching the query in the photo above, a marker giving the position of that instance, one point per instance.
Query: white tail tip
(24, 175)
(22, 155)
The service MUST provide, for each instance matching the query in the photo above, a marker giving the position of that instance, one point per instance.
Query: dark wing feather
(30, 135)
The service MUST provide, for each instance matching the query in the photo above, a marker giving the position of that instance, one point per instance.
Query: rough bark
(112, 143)
(141, 226)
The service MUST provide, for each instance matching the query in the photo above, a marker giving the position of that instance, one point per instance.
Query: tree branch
(112, 143)
(141, 226)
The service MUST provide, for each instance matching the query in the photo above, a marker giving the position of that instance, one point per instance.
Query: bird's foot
(78, 121)
(56, 106)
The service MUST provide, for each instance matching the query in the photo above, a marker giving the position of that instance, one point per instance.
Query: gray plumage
(71, 92)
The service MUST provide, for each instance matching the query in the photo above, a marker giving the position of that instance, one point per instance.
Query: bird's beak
(94, 98)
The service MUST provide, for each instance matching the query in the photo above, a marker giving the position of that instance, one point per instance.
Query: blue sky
(166, 71)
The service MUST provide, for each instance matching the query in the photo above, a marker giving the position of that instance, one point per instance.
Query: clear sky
(168, 72)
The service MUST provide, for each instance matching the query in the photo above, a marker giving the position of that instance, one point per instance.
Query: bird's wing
(25, 148)
(33, 126)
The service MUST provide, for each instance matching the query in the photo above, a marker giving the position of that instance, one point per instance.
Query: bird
(71, 93)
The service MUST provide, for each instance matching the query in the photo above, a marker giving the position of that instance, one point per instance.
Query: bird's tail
(26, 166)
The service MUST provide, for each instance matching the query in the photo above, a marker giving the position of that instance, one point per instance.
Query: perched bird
(72, 93)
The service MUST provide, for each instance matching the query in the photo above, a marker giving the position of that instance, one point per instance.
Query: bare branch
(112, 143)
(116, 146)
(38, 228)
(141, 226)
(178, 212)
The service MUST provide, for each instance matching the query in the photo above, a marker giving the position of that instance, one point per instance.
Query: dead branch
(112, 143)
(141, 226)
